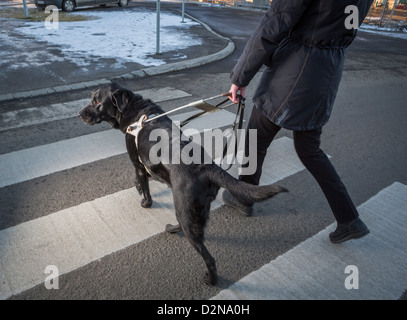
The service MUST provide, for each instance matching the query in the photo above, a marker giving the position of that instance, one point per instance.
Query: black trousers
(307, 146)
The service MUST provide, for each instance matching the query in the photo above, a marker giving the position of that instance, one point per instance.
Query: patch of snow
(389, 32)
(125, 35)
(23, 53)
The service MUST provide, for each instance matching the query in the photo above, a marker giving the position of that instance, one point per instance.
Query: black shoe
(346, 231)
(231, 201)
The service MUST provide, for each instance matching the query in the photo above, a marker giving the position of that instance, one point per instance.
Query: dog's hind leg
(211, 277)
(192, 221)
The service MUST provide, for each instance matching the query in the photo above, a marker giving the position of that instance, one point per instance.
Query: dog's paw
(146, 203)
(170, 228)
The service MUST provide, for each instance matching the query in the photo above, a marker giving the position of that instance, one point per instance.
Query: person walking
(303, 45)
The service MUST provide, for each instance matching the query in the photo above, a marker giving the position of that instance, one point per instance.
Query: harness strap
(135, 128)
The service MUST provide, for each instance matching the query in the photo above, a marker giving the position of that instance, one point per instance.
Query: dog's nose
(80, 114)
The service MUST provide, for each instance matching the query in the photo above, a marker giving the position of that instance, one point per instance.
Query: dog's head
(108, 103)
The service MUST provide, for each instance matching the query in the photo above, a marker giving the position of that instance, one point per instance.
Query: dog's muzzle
(80, 114)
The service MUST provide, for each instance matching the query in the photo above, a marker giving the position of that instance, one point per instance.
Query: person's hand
(234, 91)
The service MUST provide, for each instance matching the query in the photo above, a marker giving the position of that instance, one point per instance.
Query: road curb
(150, 71)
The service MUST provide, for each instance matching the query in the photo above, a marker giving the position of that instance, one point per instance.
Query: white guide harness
(135, 128)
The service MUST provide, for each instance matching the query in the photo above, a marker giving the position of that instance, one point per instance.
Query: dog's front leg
(143, 186)
(138, 185)
(141, 173)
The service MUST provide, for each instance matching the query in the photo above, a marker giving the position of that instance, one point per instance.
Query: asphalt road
(365, 138)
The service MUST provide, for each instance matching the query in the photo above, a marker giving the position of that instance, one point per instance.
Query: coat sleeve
(281, 17)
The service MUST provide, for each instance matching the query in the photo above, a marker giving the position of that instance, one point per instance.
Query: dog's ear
(94, 93)
(121, 98)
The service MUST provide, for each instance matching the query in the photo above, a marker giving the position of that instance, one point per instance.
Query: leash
(239, 113)
(206, 108)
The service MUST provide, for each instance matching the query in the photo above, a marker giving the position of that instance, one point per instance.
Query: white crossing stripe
(73, 237)
(33, 116)
(39, 161)
(76, 236)
(315, 269)
(26, 164)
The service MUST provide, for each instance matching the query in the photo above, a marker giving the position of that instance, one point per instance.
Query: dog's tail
(245, 192)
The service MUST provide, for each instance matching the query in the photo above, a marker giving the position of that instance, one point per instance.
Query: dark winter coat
(303, 45)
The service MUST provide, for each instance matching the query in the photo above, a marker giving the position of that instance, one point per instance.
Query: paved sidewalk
(32, 81)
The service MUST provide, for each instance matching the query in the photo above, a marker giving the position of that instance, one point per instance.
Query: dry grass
(40, 15)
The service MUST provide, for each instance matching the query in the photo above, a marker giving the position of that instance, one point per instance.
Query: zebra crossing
(316, 268)
(76, 236)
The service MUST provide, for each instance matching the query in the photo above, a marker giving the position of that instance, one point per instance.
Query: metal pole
(25, 8)
(158, 29)
(392, 12)
(183, 10)
(383, 13)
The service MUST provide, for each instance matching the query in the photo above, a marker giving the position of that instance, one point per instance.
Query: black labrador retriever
(194, 186)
